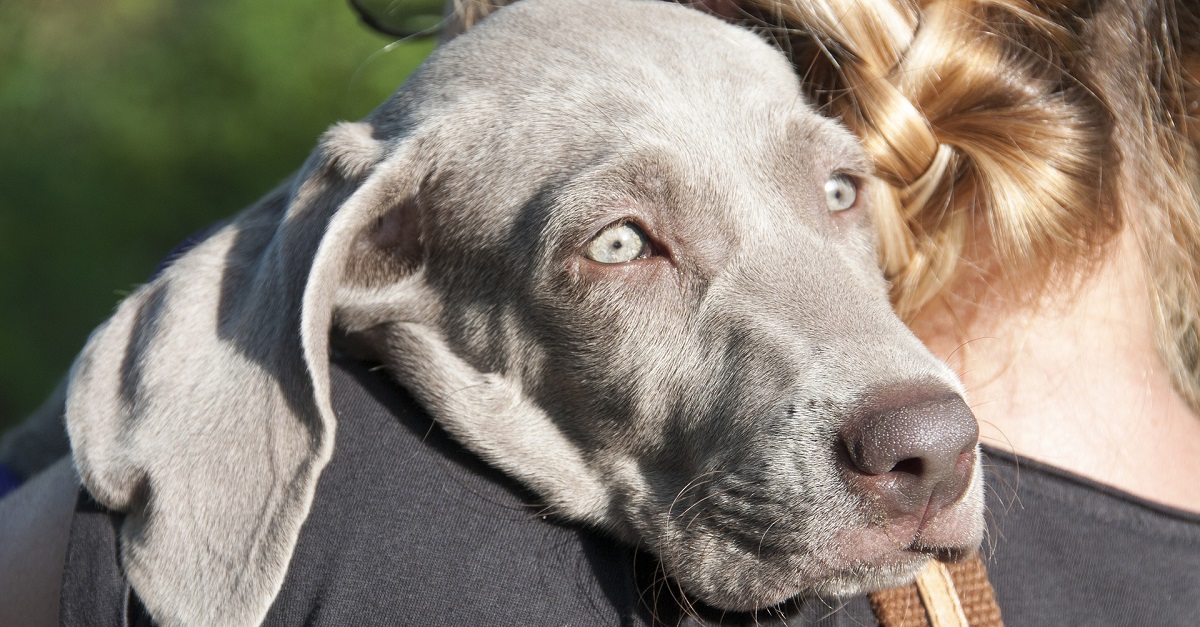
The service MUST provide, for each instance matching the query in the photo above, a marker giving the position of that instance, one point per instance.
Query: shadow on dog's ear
(201, 409)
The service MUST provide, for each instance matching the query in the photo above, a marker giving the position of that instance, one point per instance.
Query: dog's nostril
(914, 457)
(911, 466)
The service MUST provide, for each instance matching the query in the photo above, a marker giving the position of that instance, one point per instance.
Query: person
(1040, 225)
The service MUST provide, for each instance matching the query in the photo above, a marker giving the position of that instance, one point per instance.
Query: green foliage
(125, 125)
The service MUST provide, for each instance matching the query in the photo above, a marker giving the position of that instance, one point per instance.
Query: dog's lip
(898, 556)
(942, 553)
(942, 537)
(895, 559)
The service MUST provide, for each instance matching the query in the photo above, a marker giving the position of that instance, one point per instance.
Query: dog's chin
(887, 572)
(776, 587)
(859, 560)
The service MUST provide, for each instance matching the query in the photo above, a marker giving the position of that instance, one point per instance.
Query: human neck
(1077, 383)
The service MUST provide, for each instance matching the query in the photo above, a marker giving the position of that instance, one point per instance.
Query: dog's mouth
(762, 562)
(877, 561)
(779, 589)
(842, 579)
(952, 545)
(943, 553)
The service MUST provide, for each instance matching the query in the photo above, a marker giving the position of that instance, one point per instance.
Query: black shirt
(408, 528)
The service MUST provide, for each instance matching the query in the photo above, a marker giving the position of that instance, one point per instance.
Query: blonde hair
(1015, 138)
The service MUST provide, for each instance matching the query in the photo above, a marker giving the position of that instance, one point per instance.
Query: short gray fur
(688, 403)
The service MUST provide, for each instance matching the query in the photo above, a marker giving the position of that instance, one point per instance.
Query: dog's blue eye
(840, 192)
(619, 243)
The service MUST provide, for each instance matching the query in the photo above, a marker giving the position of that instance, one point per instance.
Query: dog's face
(612, 250)
(662, 256)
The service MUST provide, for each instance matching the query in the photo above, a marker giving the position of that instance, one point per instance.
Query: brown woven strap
(944, 595)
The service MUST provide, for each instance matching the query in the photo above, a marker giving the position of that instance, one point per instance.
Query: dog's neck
(1077, 383)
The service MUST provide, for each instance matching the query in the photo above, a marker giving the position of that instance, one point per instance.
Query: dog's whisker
(701, 501)
(768, 530)
(597, 270)
(697, 482)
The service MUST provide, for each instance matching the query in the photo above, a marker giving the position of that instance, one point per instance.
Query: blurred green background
(126, 125)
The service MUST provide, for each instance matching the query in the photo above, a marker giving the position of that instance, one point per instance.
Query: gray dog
(613, 251)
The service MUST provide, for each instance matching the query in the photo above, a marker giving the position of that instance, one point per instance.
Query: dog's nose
(915, 458)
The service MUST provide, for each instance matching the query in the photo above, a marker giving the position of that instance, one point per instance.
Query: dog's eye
(619, 243)
(840, 192)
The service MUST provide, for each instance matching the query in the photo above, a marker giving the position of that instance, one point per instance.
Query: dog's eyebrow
(648, 177)
(829, 144)
(642, 185)
(855, 162)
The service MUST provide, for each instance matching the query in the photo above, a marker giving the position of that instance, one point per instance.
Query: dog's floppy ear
(201, 409)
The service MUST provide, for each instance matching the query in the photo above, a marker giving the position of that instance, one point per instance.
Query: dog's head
(613, 251)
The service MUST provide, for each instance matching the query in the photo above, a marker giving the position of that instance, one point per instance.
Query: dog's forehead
(611, 69)
(589, 97)
(545, 88)
(617, 35)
